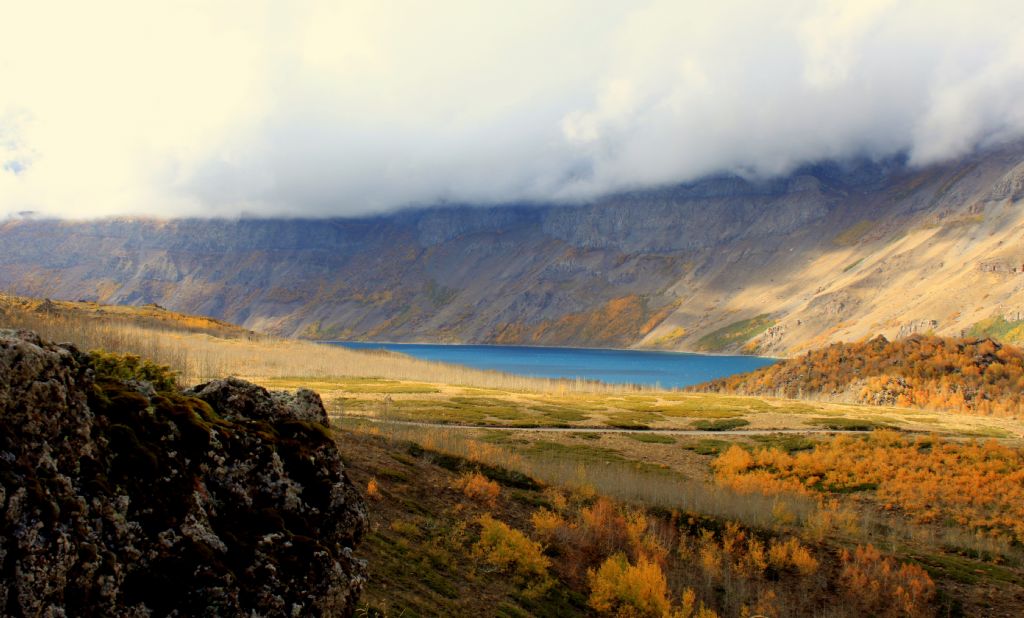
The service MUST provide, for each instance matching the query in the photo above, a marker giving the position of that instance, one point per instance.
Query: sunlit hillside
(977, 376)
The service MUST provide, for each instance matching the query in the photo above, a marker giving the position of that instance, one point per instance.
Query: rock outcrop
(226, 500)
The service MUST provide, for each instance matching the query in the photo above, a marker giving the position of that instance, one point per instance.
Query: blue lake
(667, 369)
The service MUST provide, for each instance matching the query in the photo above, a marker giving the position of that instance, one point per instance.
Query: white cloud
(326, 108)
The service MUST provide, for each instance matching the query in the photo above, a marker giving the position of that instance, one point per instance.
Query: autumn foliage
(619, 588)
(971, 484)
(478, 488)
(978, 376)
(512, 552)
(636, 563)
(877, 586)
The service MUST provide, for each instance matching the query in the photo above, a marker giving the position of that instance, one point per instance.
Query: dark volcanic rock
(122, 501)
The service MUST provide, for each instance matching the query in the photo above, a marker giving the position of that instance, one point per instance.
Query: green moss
(125, 367)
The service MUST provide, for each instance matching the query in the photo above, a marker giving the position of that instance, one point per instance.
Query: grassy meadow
(497, 494)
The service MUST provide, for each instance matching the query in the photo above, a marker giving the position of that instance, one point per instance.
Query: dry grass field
(201, 349)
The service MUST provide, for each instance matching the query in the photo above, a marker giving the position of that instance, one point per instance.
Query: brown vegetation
(977, 376)
(878, 586)
(201, 349)
(733, 552)
(975, 485)
(477, 487)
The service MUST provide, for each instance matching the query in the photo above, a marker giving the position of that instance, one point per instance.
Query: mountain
(831, 252)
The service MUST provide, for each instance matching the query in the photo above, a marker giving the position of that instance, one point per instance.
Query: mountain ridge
(829, 253)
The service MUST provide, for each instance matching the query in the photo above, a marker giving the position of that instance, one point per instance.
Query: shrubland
(978, 486)
(975, 376)
(550, 550)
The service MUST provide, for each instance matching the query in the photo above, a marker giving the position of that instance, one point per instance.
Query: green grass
(651, 438)
(841, 423)
(580, 452)
(708, 446)
(501, 437)
(562, 414)
(691, 405)
(997, 327)
(784, 442)
(631, 420)
(719, 424)
(964, 570)
(456, 410)
(986, 432)
(734, 334)
(620, 424)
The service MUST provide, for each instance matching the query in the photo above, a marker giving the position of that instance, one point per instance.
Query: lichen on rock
(123, 500)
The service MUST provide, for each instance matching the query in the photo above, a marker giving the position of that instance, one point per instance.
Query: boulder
(119, 500)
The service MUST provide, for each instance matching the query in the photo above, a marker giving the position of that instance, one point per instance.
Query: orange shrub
(548, 525)
(603, 529)
(976, 485)
(619, 588)
(874, 584)
(478, 488)
(586, 537)
(372, 489)
(511, 551)
(689, 608)
(790, 554)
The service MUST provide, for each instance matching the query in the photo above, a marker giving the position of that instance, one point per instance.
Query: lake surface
(667, 369)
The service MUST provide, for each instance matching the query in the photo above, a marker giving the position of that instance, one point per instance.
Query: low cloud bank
(326, 108)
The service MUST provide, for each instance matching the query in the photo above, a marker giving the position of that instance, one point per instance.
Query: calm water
(668, 369)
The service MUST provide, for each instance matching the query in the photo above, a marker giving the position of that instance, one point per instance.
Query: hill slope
(830, 253)
(962, 375)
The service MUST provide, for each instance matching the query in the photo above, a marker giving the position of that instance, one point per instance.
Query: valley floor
(653, 411)
(921, 508)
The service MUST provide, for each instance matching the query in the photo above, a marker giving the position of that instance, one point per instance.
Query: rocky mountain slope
(776, 267)
(125, 497)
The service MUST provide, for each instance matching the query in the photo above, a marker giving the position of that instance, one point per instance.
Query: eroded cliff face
(121, 500)
(831, 252)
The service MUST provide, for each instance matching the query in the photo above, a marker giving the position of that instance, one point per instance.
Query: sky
(344, 107)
